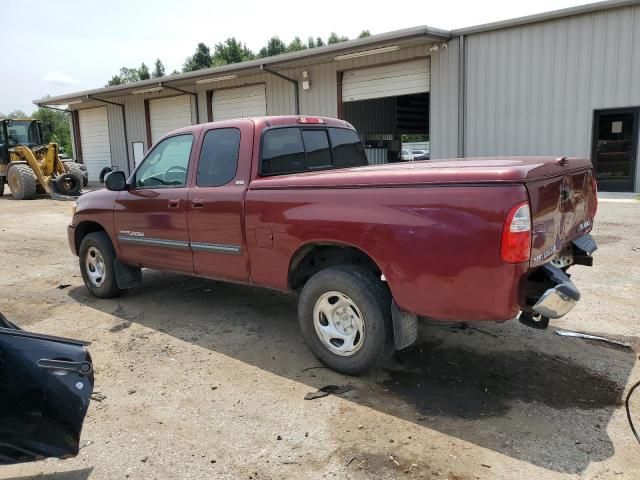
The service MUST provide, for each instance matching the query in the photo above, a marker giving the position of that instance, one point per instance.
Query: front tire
(97, 265)
(345, 318)
(22, 182)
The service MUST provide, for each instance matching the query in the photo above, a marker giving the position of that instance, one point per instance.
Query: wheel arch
(314, 256)
(83, 229)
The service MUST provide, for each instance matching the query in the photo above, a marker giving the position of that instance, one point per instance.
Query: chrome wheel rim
(94, 266)
(339, 323)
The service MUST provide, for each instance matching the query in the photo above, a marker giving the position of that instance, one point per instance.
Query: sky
(80, 44)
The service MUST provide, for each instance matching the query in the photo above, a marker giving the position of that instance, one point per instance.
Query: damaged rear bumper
(549, 291)
(559, 300)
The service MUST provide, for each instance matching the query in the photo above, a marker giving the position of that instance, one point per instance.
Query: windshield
(23, 132)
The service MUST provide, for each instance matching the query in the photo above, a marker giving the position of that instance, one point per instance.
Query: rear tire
(97, 258)
(22, 182)
(341, 300)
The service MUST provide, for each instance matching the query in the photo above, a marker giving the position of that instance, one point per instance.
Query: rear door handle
(174, 203)
(197, 203)
(83, 368)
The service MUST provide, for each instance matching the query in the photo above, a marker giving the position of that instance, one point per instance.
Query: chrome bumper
(560, 299)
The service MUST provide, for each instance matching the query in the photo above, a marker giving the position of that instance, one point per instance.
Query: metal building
(560, 83)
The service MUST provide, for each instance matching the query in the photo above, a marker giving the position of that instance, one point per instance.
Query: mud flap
(126, 275)
(405, 327)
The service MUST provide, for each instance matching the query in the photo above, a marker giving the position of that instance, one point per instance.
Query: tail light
(594, 186)
(515, 246)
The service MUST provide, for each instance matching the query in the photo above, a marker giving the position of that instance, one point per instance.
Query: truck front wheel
(97, 265)
(345, 318)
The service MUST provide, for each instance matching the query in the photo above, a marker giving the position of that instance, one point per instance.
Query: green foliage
(158, 69)
(17, 114)
(319, 42)
(199, 60)
(143, 72)
(364, 33)
(275, 46)
(231, 51)
(334, 38)
(296, 45)
(60, 132)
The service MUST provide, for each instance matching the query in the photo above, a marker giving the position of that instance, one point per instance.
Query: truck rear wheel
(97, 259)
(345, 318)
(22, 182)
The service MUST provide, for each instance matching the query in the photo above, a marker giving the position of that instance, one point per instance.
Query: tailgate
(562, 209)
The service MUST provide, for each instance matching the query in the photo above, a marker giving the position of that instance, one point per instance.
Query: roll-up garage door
(386, 81)
(94, 140)
(167, 114)
(239, 102)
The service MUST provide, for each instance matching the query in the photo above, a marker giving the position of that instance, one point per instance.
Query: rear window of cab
(302, 149)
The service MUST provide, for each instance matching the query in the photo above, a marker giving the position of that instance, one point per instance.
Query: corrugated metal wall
(443, 125)
(531, 90)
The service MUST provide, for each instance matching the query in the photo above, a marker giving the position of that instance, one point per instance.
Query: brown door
(215, 210)
(615, 148)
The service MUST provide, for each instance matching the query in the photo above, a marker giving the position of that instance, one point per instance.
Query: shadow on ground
(80, 474)
(531, 395)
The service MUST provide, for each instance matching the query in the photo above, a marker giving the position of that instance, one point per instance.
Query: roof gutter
(282, 59)
(293, 81)
(124, 125)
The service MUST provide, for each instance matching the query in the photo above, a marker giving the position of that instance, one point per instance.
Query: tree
(364, 33)
(311, 43)
(60, 131)
(231, 51)
(275, 46)
(143, 72)
(334, 38)
(17, 114)
(115, 80)
(319, 42)
(175, 72)
(158, 69)
(296, 45)
(199, 60)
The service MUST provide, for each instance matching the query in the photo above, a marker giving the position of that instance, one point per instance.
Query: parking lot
(201, 379)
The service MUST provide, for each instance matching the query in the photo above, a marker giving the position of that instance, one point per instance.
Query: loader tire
(68, 184)
(22, 182)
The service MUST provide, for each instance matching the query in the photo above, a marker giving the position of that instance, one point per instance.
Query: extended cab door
(151, 216)
(45, 388)
(216, 202)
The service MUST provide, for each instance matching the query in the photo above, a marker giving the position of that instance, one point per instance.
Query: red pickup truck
(289, 203)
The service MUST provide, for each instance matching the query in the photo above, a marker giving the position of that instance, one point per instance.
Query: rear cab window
(302, 149)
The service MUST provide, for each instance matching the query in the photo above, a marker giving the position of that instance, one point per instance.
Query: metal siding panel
(443, 124)
(532, 89)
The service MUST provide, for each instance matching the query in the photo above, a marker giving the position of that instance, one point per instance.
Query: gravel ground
(206, 380)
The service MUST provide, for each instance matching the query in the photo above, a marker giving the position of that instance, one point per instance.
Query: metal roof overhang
(415, 35)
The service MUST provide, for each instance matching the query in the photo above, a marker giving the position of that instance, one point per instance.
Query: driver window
(166, 165)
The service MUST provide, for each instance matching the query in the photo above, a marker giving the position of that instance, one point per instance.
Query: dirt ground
(206, 380)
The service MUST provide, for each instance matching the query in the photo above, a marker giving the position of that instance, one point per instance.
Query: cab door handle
(197, 203)
(174, 203)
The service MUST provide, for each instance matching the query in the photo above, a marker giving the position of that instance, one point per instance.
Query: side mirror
(115, 181)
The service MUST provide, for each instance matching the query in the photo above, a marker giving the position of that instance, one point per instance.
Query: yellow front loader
(29, 167)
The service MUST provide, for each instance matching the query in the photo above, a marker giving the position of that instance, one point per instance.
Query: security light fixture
(147, 90)
(217, 79)
(364, 53)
